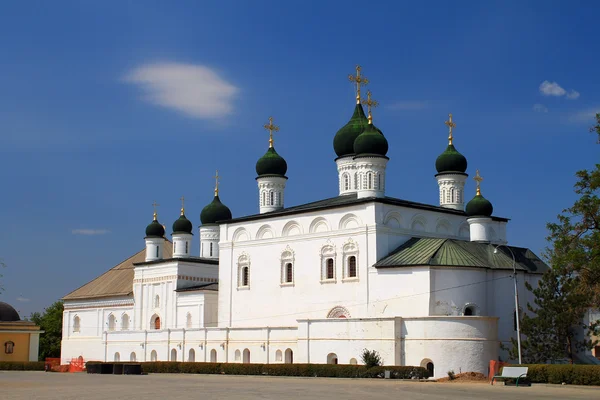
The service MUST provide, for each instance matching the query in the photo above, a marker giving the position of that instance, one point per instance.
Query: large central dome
(8, 313)
(343, 142)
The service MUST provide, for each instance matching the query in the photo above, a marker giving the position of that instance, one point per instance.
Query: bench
(512, 373)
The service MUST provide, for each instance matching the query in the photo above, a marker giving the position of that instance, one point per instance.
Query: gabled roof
(348, 200)
(460, 253)
(117, 281)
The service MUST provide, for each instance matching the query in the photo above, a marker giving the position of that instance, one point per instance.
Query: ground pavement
(16, 385)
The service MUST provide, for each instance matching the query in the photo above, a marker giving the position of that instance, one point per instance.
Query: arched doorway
(192, 356)
(430, 368)
(117, 357)
(332, 358)
(153, 356)
(428, 364)
(246, 356)
(132, 356)
(155, 322)
(278, 356)
(213, 355)
(173, 355)
(289, 356)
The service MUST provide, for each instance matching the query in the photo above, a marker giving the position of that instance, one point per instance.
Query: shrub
(451, 375)
(371, 358)
(567, 373)
(21, 365)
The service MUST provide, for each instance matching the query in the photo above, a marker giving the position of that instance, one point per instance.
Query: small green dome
(215, 211)
(451, 161)
(182, 225)
(479, 206)
(155, 229)
(271, 164)
(343, 142)
(371, 141)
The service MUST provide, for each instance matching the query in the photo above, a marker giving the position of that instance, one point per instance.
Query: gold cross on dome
(370, 103)
(216, 183)
(477, 178)
(271, 128)
(450, 125)
(182, 204)
(154, 205)
(360, 80)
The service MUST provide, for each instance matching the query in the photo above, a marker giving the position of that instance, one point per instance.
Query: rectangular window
(352, 267)
(330, 270)
(245, 276)
(289, 272)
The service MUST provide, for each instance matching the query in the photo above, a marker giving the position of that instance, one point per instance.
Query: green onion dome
(371, 141)
(155, 229)
(343, 142)
(271, 164)
(182, 225)
(479, 206)
(451, 161)
(215, 211)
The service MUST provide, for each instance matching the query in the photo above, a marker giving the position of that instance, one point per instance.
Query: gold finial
(182, 205)
(154, 205)
(370, 103)
(450, 125)
(271, 128)
(216, 183)
(477, 178)
(360, 80)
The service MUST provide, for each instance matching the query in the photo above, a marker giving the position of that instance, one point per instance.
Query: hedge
(571, 374)
(21, 365)
(313, 370)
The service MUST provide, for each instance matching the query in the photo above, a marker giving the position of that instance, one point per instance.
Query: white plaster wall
(453, 289)
(399, 292)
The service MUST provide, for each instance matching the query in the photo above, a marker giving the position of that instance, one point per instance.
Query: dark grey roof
(349, 200)
(461, 253)
(205, 286)
(199, 260)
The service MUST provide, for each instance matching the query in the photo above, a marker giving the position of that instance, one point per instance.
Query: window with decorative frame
(350, 252)
(328, 263)
(287, 267)
(112, 322)
(9, 347)
(346, 182)
(243, 272)
(76, 324)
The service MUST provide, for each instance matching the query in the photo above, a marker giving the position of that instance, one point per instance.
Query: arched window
(155, 322)
(287, 266)
(153, 356)
(379, 182)
(188, 321)
(448, 196)
(244, 271)
(356, 180)
(346, 182)
(157, 301)
(213, 355)
(246, 356)
(289, 356)
(245, 276)
(330, 269)
(264, 199)
(192, 355)
(238, 355)
(272, 194)
(156, 251)
(173, 355)
(174, 247)
(469, 311)
(452, 195)
(210, 250)
(111, 322)
(332, 358)
(124, 322)
(187, 247)
(9, 347)
(132, 356)
(76, 324)
(117, 357)
(352, 267)
(369, 180)
(278, 356)
(289, 272)
(353, 361)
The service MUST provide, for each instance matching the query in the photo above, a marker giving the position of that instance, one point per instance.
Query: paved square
(49, 386)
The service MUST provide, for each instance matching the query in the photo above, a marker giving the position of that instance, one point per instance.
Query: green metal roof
(460, 253)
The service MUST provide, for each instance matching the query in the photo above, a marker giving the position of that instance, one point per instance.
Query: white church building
(424, 285)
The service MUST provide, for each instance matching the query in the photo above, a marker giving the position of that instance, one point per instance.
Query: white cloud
(572, 95)
(194, 90)
(90, 231)
(586, 116)
(551, 89)
(23, 299)
(540, 108)
(408, 105)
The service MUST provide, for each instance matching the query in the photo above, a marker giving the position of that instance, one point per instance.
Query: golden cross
(182, 205)
(271, 128)
(450, 125)
(360, 80)
(370, 103)
(216, 183)
(477, 178)
(154, 205)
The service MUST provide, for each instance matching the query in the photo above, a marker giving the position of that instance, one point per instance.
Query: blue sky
(108, 106)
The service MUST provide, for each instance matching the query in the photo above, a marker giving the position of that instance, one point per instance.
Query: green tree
(596, 127)
(50, 321)
(371, 358)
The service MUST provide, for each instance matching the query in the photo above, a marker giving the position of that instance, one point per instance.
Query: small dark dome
(451, 161)
(8, 313)
(479, 206)
(182, 225)
(371, 141)
(271, 164)
(215, 211)
(343, 142)
(155, 229)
